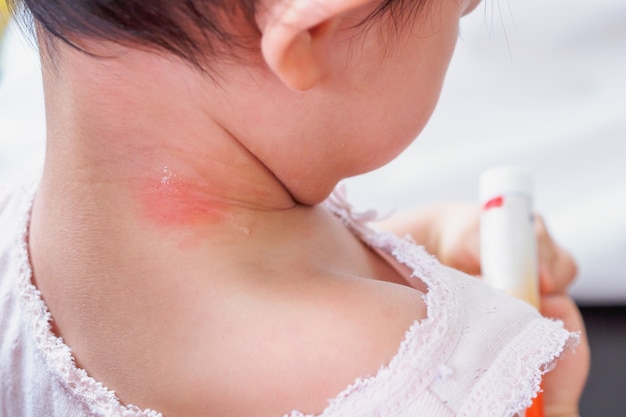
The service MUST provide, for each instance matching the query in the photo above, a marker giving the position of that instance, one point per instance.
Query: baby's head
(344, 85)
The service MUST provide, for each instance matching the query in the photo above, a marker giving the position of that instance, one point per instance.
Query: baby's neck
(152, 218)
(150, 129)
(142, 189)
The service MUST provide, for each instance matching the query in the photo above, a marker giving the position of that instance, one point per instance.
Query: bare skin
(164, 256)
(175, 236)
(166, 304)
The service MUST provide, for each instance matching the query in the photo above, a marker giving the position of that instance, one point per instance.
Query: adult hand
(458, 246)
(450, 231)
(564, 385)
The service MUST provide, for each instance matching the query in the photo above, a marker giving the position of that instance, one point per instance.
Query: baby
(185, 242)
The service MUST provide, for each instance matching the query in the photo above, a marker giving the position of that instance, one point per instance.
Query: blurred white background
(535, 83)
(540, 84)
(22, 118)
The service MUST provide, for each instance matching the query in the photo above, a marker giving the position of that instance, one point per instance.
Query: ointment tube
(508, 246)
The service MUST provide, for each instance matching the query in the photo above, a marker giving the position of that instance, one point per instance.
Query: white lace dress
(478, 353)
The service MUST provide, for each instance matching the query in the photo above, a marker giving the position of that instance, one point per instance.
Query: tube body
(508, 244)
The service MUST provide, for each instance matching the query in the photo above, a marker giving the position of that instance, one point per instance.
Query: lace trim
(514, 378)
(501, 391)
(365, 396)
(370, 396)
(58, 356)
(338, 204)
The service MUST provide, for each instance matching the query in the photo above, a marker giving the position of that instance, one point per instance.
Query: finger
(557, 274)
(564, 385)
(557, 268)
(459, 245)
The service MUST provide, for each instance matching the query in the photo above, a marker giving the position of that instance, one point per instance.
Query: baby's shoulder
(352, 332)
(299, 352)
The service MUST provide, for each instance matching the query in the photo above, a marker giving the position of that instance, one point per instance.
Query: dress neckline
(405, 374)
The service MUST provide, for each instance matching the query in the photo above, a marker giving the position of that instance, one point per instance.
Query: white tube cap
(505, 179)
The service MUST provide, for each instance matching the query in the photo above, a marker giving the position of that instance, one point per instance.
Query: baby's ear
(294, 33)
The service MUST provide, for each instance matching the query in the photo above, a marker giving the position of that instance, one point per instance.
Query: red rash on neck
(175, 201)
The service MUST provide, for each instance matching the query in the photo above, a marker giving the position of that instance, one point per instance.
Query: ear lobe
(291, 36)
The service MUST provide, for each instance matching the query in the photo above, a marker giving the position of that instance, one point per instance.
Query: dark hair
(195, 30)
